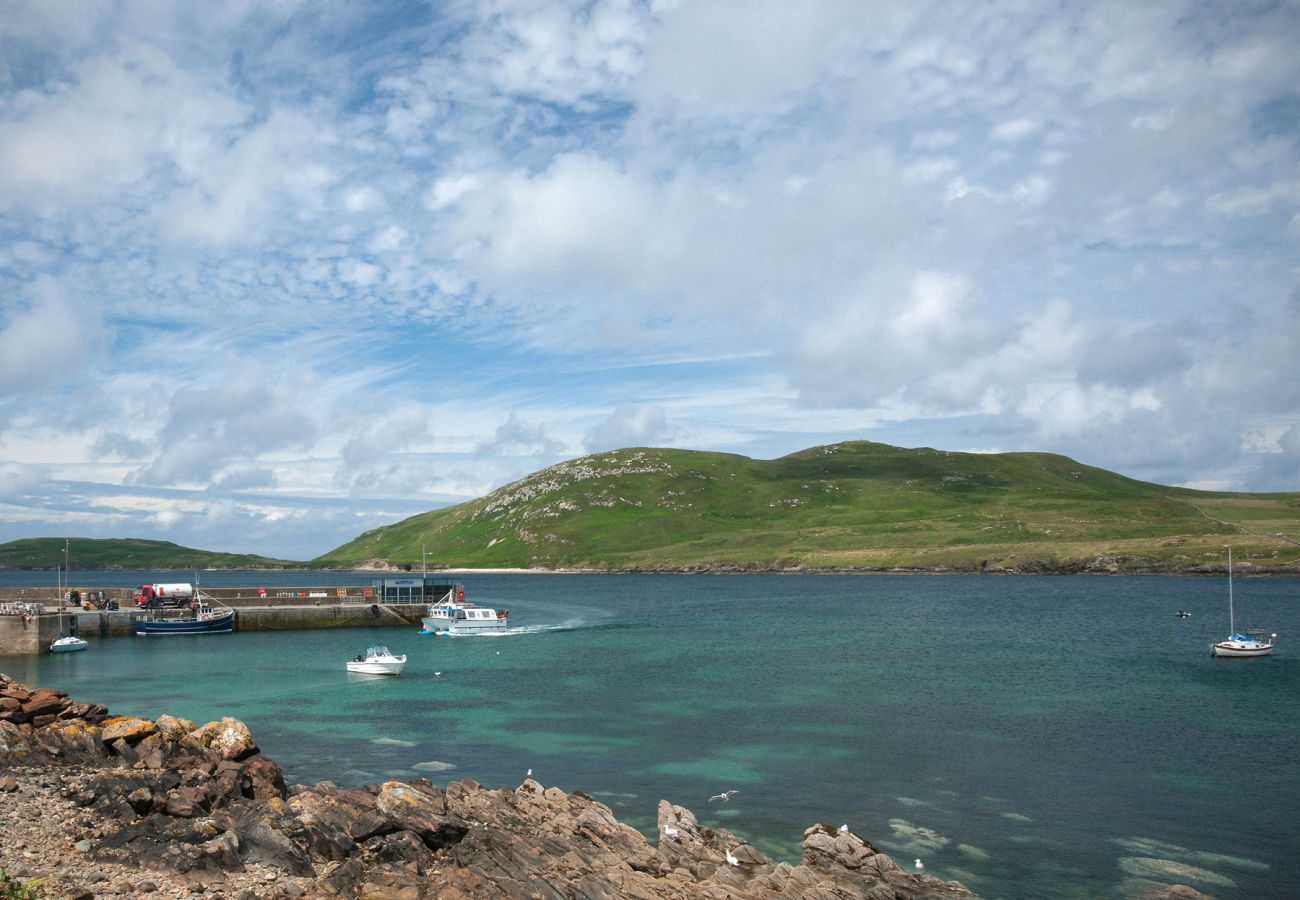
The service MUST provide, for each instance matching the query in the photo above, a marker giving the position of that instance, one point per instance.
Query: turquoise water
(1034, 737)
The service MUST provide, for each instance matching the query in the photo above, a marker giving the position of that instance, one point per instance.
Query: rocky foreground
(110, 806)
(105, 806)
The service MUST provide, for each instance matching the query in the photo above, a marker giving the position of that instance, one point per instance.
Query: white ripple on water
(1016, 817)
(916, 839)
(1153, 847)
(392, 742)
(615, 795)
(433, 765)
(972, 852)
(1170, 870)
(912, 801)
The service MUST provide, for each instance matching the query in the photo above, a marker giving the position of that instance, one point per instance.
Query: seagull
(732, 859)
(437, 673)
(530, 774)
(670, 831)
(724, 796)
(919, 865)
(844, 829)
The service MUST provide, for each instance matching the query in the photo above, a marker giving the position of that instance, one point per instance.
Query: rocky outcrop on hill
(130, 805)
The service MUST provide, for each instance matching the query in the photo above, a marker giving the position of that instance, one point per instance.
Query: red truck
(155, 596)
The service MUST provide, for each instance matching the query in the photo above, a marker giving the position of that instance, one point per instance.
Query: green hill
(856, 505)
(91, 553)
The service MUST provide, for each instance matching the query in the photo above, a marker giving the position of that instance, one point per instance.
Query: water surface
(1033, 737)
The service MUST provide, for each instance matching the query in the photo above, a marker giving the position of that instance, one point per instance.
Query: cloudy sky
(275, 273)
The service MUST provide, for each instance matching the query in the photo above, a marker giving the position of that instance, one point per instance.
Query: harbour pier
(34, 618)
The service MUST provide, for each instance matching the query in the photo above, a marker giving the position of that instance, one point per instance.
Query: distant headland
(850, 508)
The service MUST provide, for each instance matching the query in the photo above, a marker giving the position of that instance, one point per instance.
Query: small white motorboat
(66, 643)
(377, 661)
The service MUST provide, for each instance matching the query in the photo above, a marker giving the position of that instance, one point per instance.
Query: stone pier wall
(22, 637)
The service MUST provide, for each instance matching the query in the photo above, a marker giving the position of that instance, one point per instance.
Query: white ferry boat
(452, 615)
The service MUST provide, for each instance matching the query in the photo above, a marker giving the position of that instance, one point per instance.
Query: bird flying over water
(530, 774)
(724, 796)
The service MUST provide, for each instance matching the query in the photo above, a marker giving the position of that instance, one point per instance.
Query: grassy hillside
(89, 553)
(852, 505)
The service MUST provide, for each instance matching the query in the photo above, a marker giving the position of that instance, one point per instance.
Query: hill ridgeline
(856, 506)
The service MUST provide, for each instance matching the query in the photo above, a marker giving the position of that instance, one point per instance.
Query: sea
(1032, 737)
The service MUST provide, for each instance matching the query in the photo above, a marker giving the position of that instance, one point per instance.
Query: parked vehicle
(158, 596)
(96, 600)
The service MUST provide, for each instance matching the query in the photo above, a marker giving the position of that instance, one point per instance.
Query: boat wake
(522, 629)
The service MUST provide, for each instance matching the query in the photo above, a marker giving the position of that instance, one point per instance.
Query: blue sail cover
(1240, 637)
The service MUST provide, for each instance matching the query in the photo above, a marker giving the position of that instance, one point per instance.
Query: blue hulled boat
(206, 621)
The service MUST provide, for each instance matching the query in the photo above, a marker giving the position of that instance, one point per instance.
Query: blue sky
(272, 274)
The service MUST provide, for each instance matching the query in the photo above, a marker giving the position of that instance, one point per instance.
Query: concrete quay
(23, 635)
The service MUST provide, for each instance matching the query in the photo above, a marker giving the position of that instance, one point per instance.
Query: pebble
(40, 824)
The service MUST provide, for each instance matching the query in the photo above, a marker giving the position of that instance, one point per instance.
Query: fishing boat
(205, 620)
(1252, 643)
(67, 643)
(377, 660)
(452, 615)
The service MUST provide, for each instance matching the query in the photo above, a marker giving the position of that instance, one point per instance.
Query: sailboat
(1250, 644)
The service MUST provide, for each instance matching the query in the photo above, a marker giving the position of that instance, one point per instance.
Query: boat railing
(207, 600)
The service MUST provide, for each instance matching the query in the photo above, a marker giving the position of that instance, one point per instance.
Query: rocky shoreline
(103, 806)
(117, 806)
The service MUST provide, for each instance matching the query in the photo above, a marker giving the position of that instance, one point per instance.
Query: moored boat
(1241, 645)
(206, 620)
(1244, 645)
(67, 643)
(377, 660)
(452, 615)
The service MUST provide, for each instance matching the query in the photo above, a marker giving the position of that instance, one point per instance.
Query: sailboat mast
(1232, 627)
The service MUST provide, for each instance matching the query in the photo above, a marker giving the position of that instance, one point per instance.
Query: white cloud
(447, 191)
(46, 340)
(109, 123)
(630, 426)
(737, 226)
(1013, 131)
(515, 436)
(1246, 201)
(17, 481)
(362, 199)
(233, 196)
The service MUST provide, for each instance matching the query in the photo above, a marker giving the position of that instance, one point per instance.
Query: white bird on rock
(732, 859)
(844, 829)
(919, 865)
(725, 796)
(530, 774)
(670, 831)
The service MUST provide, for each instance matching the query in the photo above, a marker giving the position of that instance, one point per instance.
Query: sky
(276, 273)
